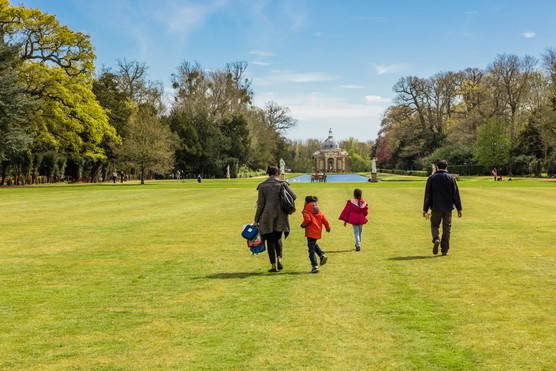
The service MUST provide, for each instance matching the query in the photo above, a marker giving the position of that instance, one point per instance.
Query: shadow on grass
(241, 275)
(415, 257)
(339, 251)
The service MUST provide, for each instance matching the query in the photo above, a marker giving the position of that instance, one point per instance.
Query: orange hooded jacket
(313, 220)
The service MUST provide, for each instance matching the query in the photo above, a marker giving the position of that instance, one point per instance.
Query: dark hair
(442, 164)
(311, 199)
(272, 170)
(357, 193)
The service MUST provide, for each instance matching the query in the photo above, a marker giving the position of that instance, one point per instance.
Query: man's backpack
(286, 200)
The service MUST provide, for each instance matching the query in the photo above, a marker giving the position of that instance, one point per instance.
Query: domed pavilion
(330, 158)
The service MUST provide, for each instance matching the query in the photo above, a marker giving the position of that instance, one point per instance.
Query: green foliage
(45, 41)
(455, 154)
(55, 65)
(450, 108)
(357, 163)
(114, 100)
(149, 145)
(16, 107)
(493, 144)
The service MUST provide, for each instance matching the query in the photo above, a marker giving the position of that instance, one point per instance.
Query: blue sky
(333, 63)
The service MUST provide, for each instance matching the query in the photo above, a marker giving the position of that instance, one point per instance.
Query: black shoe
(280, 266)
(315, 270)
(435, 247)
(323, 259)
(357, 248)
(273, 270)
(444, 252)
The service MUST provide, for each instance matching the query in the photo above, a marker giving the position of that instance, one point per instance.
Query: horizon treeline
(503, 116)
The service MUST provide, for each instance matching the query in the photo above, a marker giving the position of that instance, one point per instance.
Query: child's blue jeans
(357, 231)
(314, 250)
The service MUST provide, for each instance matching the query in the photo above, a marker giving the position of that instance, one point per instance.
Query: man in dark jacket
(441, 196)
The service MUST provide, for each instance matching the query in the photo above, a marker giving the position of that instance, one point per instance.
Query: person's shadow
(339, 251)
(242, 275)
(417, 257)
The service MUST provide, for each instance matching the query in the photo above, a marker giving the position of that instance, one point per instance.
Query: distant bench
(320, 178)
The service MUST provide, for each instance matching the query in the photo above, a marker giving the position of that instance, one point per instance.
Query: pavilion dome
(330, 142)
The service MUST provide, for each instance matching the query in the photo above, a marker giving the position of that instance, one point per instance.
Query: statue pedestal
(374, 178)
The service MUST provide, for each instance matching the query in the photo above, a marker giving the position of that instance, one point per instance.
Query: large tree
(149, 146)
(57, 69)
(493, 144)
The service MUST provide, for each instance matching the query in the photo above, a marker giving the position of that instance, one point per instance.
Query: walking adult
(272, 220)
(441, 196)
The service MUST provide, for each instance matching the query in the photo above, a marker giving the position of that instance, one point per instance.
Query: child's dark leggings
(314, 250)
(273, 245)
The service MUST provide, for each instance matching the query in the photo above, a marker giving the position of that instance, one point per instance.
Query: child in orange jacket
(313, 220)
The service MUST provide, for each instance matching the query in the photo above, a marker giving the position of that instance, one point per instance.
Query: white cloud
(262, 53)
(528, 35)
(318, 106)
(181, 20)
(377, 99)
(259, 63)
(303, 77)
(352, 87)
(383, 69)
(316, 113)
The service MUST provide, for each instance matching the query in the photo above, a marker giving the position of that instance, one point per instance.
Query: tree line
(503, 116)
(60, 118)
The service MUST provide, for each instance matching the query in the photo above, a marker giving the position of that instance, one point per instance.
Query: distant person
(271, 219)
(495, 174)
(313, 220)
(355, 213)
(441, 196)
(122, 177)
(114, 177)
(199, 178)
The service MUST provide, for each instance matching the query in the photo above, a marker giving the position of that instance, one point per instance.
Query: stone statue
(228, 172)
(373, 177)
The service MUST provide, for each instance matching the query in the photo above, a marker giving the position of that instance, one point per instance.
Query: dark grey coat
(269, 215)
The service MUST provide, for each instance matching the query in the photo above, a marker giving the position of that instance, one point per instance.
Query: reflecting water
(330, 178)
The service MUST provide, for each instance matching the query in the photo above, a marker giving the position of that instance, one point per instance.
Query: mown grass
(158, 277)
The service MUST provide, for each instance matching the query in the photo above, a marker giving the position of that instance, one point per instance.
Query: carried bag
(254, 239)
(286, 200)
(249, 231)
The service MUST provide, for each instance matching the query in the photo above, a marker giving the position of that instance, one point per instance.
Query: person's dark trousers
(446, 218)
(273, 245)
(314, 250)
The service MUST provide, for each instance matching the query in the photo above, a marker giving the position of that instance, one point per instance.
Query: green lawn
(131, 277)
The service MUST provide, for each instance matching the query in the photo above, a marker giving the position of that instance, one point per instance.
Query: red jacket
(355, 212)
(313, 219)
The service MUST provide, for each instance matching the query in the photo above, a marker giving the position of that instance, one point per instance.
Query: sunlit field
(131, 277)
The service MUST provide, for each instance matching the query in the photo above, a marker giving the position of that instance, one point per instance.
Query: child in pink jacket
(355, 213)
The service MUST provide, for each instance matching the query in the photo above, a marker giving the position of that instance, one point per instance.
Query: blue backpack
(255, 242)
